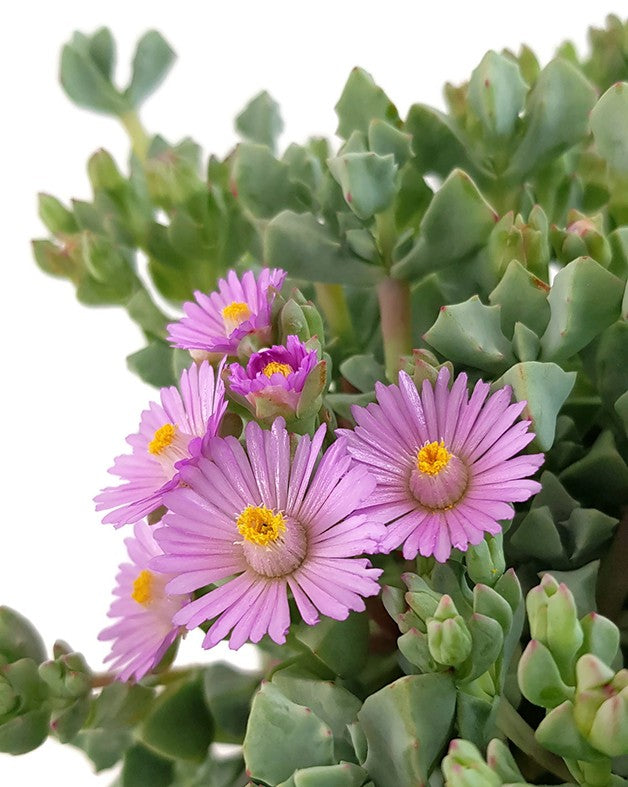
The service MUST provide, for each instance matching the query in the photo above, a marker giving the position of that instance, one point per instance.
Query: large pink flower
(169, 435)
(144, 630)
(267, 521)
(445, 463)
(219, 321)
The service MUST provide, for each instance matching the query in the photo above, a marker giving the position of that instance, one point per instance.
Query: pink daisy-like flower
(169, 436)
(144, 630)
(445, 463)
(268, 523)
(217, 322)
(273, 381)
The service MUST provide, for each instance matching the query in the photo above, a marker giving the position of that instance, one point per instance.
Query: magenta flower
(217, 322)
(144, 630)
(169, 436)
(268, 523)
(445, 463)
(274, 379)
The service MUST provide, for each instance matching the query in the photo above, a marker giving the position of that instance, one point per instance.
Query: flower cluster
(247, 525)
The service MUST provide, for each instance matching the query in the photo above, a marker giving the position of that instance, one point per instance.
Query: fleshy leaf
(584, 300)
(407, 725)
(544, 386)
(470, 333)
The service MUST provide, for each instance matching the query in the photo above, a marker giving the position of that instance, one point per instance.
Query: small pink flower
(445, 463)
(265, 520)
(274, 379)
(169, 436)
(219, 321)
(144, 630)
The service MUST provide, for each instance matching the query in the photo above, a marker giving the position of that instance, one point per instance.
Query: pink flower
(144, 630)
(268, 523)
(274, 380)
(445, 463)
(169, 436)
(219, 321)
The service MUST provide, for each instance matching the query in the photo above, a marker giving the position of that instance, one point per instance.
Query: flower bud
(539, 678)
(601, 705)
(292, 322)
(583, 237)
(553, 621)
(68, 677)
(485, 561)
(500, 760)
(103, 173)
(601, 637)
(18, 638)
(424, 365)
(57, 218)
(449, 639)
(464, 767)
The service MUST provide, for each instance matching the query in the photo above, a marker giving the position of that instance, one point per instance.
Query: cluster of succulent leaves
(493, 237)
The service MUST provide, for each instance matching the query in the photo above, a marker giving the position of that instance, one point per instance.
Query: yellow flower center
(143, 588)
(274, 366)
(433, 458)
(234, 314)
(260, 526)
(162, 439)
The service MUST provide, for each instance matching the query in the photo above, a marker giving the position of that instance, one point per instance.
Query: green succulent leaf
(470, 333)
(152, 60)
(83, 80)
(544, 387)
(609, 118)
(496, 94)
(142, 766)
(283, 736)
(333, 704)
(263, 182)
(522, 298)
(367, 180)
(556, 117)
(584, 300)
(360, 102)
(341, 645)
(260, 120)
(308, 250)
(456, 224)
(407, 725)
(439, 145)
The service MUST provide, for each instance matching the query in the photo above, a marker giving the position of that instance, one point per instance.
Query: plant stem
(333, 304)
(612, 585)
(137, 134)
(522, 735)
(394, 309)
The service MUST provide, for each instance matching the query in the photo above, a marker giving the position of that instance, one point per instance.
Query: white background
(67, 398)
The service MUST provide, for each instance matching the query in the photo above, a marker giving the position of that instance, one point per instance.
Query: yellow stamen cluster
(260, 525)
(235, 313)
(433, 458)
(162, 439)
(274, 366)
(143, 588)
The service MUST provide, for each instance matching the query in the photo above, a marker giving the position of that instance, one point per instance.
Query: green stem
(137, 134)
(333, 304)
(394, 309)
(522, 735)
